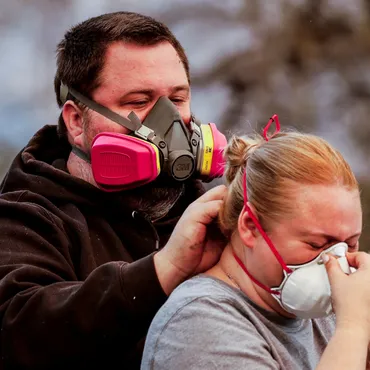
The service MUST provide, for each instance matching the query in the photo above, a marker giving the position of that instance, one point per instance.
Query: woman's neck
(229, 271)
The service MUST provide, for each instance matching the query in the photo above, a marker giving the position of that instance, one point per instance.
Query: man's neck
(79, 168)
(155, 200)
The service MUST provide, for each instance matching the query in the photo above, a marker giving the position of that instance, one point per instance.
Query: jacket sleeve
(49, 317)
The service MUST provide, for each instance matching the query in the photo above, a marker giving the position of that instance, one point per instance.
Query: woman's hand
(351, 293)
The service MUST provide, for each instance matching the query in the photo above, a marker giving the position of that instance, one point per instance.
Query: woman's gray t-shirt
(207, 324)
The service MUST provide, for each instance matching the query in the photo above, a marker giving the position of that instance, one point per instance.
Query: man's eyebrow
(185, 88)
(151, 92)
(140, 91)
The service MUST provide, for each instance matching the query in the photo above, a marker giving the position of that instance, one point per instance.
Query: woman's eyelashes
(317, 246)
(326, 244)
(353, 246)
(330, 243)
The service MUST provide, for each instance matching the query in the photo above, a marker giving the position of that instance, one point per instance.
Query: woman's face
(322, 216)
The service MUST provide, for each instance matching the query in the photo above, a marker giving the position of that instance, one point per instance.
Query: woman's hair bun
(237, 152)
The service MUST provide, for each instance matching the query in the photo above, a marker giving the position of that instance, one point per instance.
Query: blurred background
(306, 60)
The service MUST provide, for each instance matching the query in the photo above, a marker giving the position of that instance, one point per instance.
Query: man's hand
(195, 244)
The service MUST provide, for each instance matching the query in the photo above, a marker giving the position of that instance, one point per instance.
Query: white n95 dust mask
(305, 292)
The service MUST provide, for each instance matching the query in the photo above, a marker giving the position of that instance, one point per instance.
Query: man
(85, 207)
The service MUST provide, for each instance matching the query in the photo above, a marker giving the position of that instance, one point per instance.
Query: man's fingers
(216, 193)
(207, 212)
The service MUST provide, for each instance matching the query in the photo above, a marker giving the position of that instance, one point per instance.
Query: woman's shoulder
(202, 298)
(207, 288)
(205, 316)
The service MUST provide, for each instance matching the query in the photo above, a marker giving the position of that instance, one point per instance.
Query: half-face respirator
(162, 143)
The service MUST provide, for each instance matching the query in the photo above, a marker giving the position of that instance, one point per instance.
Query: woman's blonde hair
(274, 168)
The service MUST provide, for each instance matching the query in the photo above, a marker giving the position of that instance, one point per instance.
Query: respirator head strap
(132, 124)
(146, 133)
(195, 137)
(80, 153)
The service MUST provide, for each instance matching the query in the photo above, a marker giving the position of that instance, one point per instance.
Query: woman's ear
(248, 231)
(73, 119)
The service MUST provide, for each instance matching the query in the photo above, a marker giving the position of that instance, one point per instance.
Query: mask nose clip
(338, 250)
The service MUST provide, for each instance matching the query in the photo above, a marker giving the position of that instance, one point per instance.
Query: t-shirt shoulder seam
(219, 284)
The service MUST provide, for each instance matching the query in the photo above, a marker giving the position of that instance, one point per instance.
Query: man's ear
(73, 119)
(248, 231)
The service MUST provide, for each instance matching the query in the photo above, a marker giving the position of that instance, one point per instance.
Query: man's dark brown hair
(81, 54)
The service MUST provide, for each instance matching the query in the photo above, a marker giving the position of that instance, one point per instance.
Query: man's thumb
(332, 268)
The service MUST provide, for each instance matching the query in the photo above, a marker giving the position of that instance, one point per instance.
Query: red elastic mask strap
(275, 119)
(241, 264)
(259, 227)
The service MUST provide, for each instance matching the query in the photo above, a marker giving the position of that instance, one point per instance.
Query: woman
(293, 207)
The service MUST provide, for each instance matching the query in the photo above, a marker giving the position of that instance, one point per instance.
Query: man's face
(133, 79)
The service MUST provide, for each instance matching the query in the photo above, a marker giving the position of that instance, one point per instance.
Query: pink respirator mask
(161, 143)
